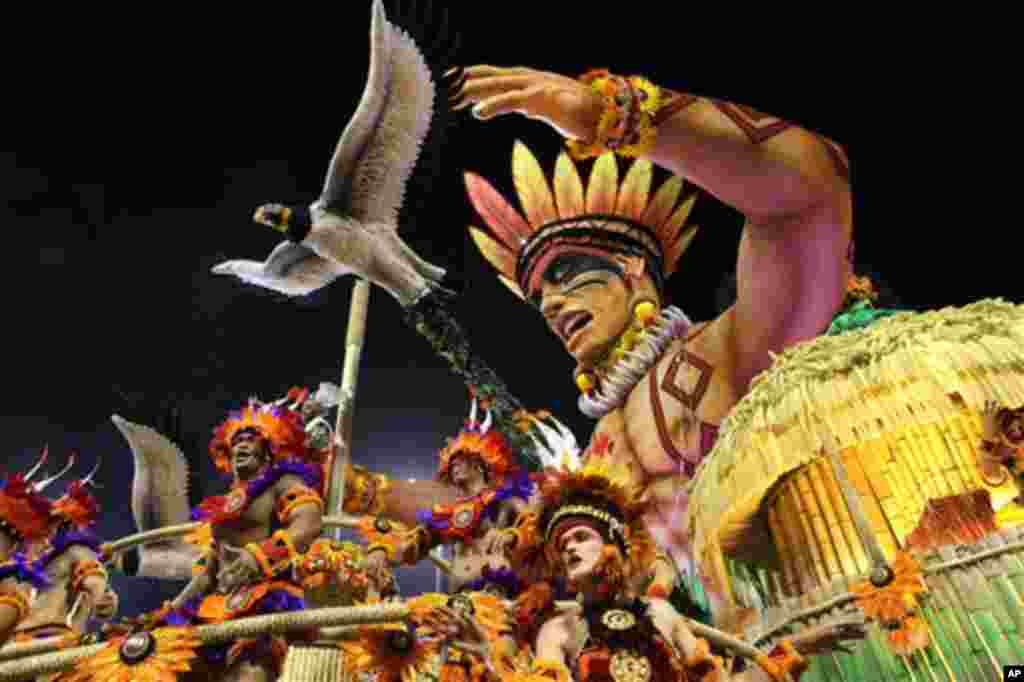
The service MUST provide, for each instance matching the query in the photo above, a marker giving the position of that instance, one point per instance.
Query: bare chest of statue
(670, 420)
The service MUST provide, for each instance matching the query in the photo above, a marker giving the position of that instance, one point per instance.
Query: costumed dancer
(495, 491)
(51, 546)
(24, 517)
(594, 259)
(493, 488)
(251, 537)
(589, 530)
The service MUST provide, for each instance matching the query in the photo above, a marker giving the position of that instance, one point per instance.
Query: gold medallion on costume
(235, 501)
(629, 666)
(617, 619)
(463, 518)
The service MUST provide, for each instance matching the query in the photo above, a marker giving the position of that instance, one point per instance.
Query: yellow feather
(676, 250)
(662, 204)
(634, 190)
(568, 188)
(512, 286)
(667, 234)
(496, 254)
(604, 184)
(532, 186)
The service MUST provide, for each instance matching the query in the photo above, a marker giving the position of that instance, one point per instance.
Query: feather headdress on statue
(603, 218)
(282, 427)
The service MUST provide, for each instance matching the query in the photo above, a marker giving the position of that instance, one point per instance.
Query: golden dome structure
(858, 454)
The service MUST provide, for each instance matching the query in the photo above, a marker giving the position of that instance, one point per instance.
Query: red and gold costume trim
(276, 554)
(217, 608)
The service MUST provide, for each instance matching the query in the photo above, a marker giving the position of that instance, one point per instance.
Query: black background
(141, 143)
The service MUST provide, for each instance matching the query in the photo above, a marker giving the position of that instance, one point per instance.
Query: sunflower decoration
(394, 652)
(893, 605)
(144, 656)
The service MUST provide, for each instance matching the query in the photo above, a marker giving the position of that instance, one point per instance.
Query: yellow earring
(644, 312)
(584, 381)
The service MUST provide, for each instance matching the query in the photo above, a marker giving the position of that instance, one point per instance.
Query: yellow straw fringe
(888, 386)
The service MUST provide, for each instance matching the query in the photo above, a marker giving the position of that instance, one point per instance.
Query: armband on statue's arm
(364, 491)
(276, 554)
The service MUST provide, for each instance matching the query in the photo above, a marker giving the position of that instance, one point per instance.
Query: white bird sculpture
(353, 227)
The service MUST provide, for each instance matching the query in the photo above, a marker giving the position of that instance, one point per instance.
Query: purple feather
(503, 577)
(267, 478)
(22, 570)
(65, 539)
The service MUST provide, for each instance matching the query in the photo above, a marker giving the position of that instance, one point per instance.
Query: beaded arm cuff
(84, 569)
(627, 125)
(784, 658)
(364, 491)
(297, 496)
(15, 599)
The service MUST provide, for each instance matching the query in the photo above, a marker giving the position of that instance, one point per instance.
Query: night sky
(141, 153)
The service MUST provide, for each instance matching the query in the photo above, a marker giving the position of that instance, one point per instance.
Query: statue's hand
(567, 105)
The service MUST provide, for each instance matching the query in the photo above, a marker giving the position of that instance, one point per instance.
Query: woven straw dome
(912, 372)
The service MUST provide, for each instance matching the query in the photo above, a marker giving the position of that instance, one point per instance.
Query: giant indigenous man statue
(593, 259)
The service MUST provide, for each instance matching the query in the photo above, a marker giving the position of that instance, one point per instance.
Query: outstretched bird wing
(159, 498)
(290, 269)
(378, 150)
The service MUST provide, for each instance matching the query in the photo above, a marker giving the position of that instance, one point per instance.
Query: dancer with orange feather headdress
(588, 530)
(49, 546)
(252, 537)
